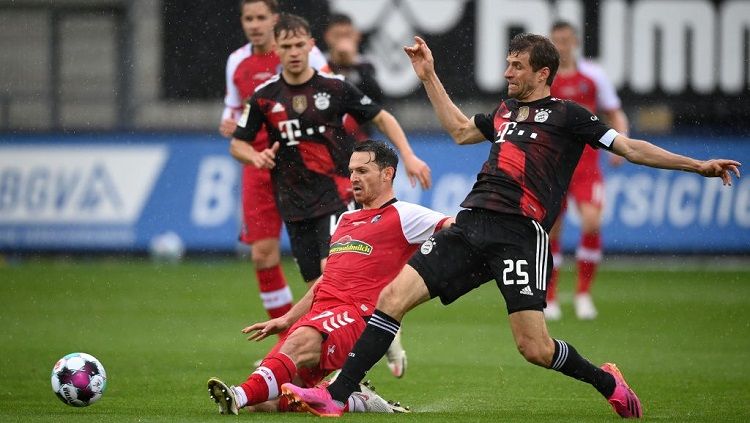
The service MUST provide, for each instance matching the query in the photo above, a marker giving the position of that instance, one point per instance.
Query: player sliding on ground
(367, 250)
(502, 235)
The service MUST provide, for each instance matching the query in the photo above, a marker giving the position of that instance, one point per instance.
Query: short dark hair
(292, 25)
(273, 5)
(384, 156)
(542, 53)
(339, 19)
(561, 24)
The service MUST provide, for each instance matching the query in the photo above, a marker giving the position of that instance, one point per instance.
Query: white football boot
(552, 312)
(223, 395)
(584, 306)
(374, 403)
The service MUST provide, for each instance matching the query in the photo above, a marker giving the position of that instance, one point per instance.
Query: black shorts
(310, 240)
(484, 245)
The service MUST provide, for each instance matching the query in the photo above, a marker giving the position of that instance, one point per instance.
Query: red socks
(274, 292)
(265, 383)
(588, 256)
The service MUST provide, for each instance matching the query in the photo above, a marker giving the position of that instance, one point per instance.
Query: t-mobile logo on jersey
(291, 131)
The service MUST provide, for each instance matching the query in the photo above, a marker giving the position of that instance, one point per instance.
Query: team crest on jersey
(322, 100)
(523, 113)
(365, 100)
(542, 115)
(427, 246)
(347, 244)
(299, 103)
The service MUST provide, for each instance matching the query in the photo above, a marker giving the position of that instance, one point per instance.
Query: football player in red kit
(585, 83)
(367, 250)
(247, 68)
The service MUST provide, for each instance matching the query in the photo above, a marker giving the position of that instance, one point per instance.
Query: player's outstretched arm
(644, 153)
(262, 330)
(460, 128)
(416, 168)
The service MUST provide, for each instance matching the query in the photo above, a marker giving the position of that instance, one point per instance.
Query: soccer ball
(167, 246)
(78, 379)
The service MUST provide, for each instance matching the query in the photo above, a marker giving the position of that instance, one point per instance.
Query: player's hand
(417, 170)
(421, 58)
(262, 330)
(720, 168)
(266, 159)
(227, 127)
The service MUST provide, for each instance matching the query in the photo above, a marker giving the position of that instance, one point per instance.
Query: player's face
(258, 22)
(522, 80)
(340, 32)
(293, 50)
(369, 182)
(566, 42)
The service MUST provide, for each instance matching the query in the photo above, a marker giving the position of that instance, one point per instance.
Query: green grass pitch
(681, 337)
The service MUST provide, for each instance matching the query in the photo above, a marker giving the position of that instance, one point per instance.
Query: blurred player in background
(536, 141)
(343, 41)
(368, 248)
(585, 83)
(302, 111)
(248, 67)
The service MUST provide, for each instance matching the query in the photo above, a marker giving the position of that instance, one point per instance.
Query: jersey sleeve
(606, 94)
(360, 106)
(586, 127)
(250, 122)
(232, 99)
(418, 223)
(485, 124)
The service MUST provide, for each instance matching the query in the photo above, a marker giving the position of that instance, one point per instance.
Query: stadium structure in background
(145, 65)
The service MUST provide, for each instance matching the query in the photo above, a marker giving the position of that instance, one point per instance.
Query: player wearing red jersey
(367, 250)
(247, 68)
(586, 84)
(536, 141)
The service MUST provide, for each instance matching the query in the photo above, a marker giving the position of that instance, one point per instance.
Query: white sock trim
(276, 299)
(241, 397)
(270, 379)
(589, 255)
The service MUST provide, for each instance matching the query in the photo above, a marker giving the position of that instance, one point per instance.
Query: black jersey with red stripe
(535, 149)
(311, 176)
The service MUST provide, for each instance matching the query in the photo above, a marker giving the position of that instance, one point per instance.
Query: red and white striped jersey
(369, 248)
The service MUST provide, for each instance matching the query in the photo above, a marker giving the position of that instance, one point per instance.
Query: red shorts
(260, 217)
(341, 326)
(587, 186)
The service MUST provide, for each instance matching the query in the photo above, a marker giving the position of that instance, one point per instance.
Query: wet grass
(681, 337)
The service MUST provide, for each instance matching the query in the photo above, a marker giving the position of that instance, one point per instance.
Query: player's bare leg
(537, 347)
(588, 256)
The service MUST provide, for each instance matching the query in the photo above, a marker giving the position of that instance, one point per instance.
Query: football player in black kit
(310, 150)
(502, 233)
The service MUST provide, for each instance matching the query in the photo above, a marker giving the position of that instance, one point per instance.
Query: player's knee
(265, 254)
(303, 346)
